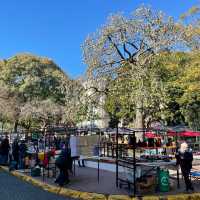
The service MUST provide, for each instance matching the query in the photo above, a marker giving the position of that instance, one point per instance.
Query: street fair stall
(43, 147)
(151, 159)
(145, 164)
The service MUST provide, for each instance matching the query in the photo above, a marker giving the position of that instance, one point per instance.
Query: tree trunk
(16, 125)
(139, 119)
(2, 126)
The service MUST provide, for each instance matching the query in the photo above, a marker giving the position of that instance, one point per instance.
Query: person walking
(184, 159)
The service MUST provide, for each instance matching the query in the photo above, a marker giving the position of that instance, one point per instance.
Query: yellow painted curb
(4, 168)
(177, 197)
(70, 193)
(193, 196)
(119, 197)
(52, 189)
(151, 198)
(94, 196)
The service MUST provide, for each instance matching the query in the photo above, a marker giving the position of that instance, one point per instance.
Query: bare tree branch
(118, 51)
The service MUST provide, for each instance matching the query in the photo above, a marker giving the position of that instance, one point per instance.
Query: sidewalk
(86, 180)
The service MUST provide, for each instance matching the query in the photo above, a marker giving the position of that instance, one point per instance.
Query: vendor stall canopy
(184, 133)
(180, 131)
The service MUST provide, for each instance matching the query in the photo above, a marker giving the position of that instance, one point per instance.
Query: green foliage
(33, 77)
(182, 85)
(36, 90)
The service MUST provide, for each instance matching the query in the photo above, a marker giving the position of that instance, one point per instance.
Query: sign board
(35, 136)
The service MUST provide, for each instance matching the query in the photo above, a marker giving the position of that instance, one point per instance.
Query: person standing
(15, 152)
(63, 163)
(22, 154)
(184, 159)
(5, 146)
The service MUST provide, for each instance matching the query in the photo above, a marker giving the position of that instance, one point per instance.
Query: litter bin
(163, 180)
(35, 172)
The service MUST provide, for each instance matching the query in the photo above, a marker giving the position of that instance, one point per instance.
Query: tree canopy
(34, 89)
(130, 55)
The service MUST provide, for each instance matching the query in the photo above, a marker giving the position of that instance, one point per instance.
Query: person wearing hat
(184, 159)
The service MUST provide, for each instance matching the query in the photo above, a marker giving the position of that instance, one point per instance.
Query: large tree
(30, 79)
(131, 42)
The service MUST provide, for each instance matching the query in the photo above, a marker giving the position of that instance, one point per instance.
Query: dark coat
(22, 149)
(5, 146)
(64, 160)
(15, 150)
(185, 160)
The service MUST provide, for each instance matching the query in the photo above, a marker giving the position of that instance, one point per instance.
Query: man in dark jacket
(63, 162)
(184, 159)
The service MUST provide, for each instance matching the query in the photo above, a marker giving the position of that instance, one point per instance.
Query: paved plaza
(86, 180)
(12, 188)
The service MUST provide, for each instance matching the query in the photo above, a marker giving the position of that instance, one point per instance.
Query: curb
(56, 190)
(94, 196)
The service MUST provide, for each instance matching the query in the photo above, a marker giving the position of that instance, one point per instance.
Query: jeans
(21, 162)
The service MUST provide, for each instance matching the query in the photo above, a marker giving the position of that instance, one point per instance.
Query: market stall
(43, 147)
(145, 161)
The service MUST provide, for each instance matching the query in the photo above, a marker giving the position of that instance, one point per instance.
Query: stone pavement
(86, 180)
(12, 188)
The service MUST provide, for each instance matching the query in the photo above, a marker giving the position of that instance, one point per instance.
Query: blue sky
(57, 28)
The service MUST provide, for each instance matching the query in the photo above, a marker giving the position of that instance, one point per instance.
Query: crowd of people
(17, 156)
(15, 152)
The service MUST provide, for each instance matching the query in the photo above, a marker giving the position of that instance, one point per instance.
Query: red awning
(171, 133)
(151, 135)
(184, 133)
(189, 134)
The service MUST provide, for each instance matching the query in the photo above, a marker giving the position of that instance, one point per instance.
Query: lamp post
(116, 123)
(178, 182)
(117, 146)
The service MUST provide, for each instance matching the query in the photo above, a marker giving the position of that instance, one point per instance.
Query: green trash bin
(35, 172)
(163, 180)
